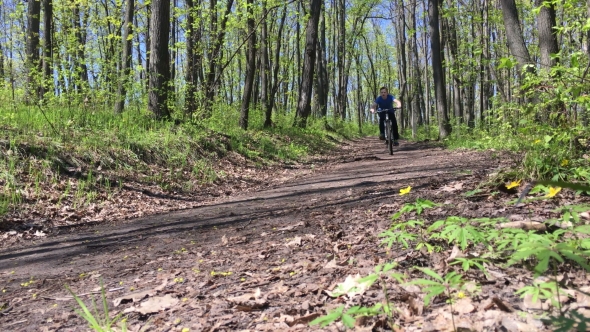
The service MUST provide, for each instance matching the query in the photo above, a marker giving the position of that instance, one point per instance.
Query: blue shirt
(385, 103)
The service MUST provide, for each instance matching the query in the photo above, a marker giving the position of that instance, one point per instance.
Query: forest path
(243, 234)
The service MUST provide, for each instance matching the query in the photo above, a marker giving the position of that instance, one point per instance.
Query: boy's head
(383, 92)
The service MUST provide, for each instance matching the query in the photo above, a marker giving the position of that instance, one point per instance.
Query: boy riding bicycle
(385, 101)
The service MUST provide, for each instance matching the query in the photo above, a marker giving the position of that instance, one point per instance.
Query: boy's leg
(394, 126)
(381, 126)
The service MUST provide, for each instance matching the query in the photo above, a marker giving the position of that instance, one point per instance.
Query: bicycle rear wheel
(389, 136)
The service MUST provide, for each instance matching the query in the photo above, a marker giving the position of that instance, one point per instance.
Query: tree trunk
(341, 61)
(453, 47)
(444, 126)
(251, 66)
(403, 67)
(80, 34)
(159, 70)
(47, 46)
(311, 37)
(322, 72)
(148, 43)
(264, 66)
(191, 33)
(215, 53)
(193, 73)
(127, 55)
(516, 43)
(32, 50)
(275, 72)
(546, 23)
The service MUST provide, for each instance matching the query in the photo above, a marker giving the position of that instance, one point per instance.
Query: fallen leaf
(154, 305)
(133, 297)
(350, 287)
(295, 242)
(464, 306)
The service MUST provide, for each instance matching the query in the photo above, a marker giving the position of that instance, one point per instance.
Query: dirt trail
(190, 254)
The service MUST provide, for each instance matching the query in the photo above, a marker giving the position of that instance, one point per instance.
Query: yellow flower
(553, 191)
(564, 162)
(513, 184)
(538, 141)
(460, 295)
(405, 191)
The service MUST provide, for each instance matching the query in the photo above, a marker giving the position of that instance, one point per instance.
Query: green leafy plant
(419, 207)
(349, 316)
(457, 230)
(97, 321)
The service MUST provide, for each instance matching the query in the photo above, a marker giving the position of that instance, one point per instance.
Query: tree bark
(341, 61)
(193, 60)
(32, 50)
(275, 72)
(159, 71)
(444, 126)
(546, 22)
(322, 72)
(80, 34)
(251, 66)
(215, 53)
(47, 46)
(126, 57)
(311, 37)
(516, 43)
(264, 66)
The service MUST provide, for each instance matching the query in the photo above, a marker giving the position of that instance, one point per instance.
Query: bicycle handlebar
(379, 110)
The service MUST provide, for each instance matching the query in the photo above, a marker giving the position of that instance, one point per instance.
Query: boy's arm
(398, 103)
(373, 106)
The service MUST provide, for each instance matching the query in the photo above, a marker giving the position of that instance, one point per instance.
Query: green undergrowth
(42, 145)
(479, 246)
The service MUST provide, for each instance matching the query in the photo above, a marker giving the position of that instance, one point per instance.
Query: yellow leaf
(553, 191)
(513, 184)
(405, 191)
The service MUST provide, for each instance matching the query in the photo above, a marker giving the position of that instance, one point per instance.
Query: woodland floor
(262, 259)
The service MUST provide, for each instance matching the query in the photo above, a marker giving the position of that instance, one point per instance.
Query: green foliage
(349, 316)
(99, 322)
(457, 230)
(439, 285)
(419, 206)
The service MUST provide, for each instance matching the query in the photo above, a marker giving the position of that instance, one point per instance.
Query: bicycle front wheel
(389, 136)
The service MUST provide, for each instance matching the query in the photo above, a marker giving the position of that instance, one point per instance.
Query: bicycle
(388, 128)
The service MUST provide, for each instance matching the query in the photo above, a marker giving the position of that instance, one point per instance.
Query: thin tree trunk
(251, 67)
(275, 72)
(194, 73)
(215, 53)
(159, 59)
(264, 66)
(148, 43)
(444, 126)
(80, 22)
(321, 86)
(32, 50)
(47, 46)
(126, 58)
(401, 28)
(311, 36)
(341, 61)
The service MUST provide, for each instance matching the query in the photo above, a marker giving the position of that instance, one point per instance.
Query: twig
(17, 322)
(47, 119)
